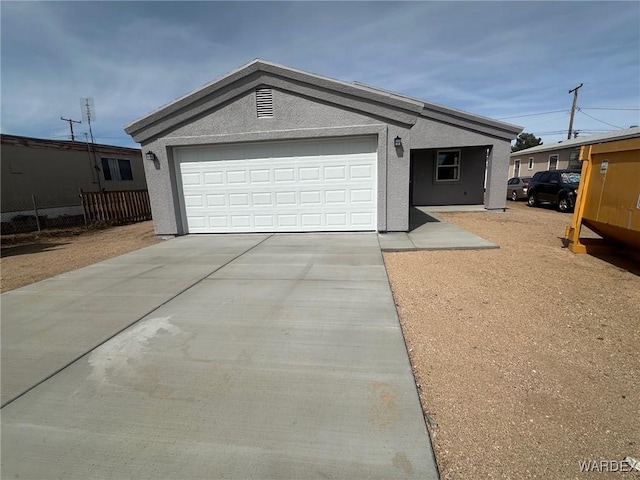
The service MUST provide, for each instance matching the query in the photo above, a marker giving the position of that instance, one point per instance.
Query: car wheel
(532, 201)
(514, 196)
(563, 204)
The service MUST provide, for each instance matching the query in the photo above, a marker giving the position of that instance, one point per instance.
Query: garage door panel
(291, 186)
(284, 175)
(364, 172)
(335, 196)
(216, 200)
(335, 173)
(212, 178)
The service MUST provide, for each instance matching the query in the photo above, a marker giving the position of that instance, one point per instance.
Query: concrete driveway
(224, 356)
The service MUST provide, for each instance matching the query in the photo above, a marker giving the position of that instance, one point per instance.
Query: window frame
(516, 171)
(458, 166)
(557, 159)
(109, 164)
(531, 162)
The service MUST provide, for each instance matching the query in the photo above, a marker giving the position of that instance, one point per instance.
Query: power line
(611, 108)
(598, 120)
(533, 114)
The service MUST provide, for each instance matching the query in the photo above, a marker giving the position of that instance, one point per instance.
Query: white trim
(516, 172)
(549, 162)
(532, 161)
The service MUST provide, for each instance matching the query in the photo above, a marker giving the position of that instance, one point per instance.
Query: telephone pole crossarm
(71, 122)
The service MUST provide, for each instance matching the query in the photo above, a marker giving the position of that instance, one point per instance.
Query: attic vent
(264, 102)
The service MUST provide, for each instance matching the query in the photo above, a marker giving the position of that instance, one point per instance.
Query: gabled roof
(580, 141)
(392, 106)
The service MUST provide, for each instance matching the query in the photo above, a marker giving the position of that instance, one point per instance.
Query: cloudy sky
(514, 61)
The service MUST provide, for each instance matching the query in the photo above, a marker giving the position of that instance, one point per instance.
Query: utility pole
(573, 108)
(71, 122)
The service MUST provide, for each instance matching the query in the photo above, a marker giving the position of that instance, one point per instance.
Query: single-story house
(52, 172)
(561, 155)
(269, 148)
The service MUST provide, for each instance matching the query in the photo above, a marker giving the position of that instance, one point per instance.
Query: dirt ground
(526, 357)
(30, 258)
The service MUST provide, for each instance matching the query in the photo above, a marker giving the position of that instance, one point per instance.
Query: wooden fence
(116, 207)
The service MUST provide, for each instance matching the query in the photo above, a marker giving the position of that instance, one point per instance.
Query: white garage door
(301, 186)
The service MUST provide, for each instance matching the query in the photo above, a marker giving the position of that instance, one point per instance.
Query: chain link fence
(36, 214)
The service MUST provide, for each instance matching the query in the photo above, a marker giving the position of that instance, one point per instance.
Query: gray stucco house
(269, 148)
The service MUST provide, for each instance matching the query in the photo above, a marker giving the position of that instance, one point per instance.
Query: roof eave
(393, 101)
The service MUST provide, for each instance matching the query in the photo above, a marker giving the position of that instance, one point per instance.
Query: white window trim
(517, 160)
(557, 161)
(459, 165)
(531, 163)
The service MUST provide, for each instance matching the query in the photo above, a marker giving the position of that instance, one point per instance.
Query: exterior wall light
(150, 156)
(397, 142)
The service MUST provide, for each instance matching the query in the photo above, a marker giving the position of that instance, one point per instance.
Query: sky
(510, 61)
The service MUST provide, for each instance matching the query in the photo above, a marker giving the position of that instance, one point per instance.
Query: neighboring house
(52, 172)
(269, 148)
(560, 156)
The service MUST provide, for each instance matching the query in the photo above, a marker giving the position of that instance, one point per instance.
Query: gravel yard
(30, 258)
(526, 356)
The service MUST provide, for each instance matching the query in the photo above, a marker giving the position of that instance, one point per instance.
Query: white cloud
(496, 59)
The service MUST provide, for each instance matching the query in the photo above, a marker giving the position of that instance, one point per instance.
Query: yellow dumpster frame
(614, 236)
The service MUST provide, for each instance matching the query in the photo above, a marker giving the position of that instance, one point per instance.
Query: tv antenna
(71, 122)
(88, 113)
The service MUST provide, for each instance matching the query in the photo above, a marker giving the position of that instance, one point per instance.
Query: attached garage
(295, 186)
(268, 148)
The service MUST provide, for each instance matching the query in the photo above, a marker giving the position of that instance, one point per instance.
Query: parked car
(558, 187)
(517, 188)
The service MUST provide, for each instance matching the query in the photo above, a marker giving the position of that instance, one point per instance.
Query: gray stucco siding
(295, 117)
(291, 112)
(428, 133)
(468, 190)
(309, 106)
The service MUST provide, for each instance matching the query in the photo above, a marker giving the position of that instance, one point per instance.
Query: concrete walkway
(427, 231)
(245, 357)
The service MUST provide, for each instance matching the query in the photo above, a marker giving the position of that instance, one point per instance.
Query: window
(448, 166)
(530, 163)
(516, 168)
(553, 162)
(574, 160)
(116, 169)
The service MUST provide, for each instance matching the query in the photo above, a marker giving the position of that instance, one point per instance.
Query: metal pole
(35, 208)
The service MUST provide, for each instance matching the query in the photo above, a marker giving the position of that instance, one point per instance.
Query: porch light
(150, 156)
(397, 142)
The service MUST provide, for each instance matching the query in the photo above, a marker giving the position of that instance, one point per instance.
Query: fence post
(35, 208)
(84, 209)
